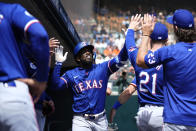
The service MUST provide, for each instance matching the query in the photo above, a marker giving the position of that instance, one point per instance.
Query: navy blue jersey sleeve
(117, 62)
(153, 59)
(56, 82)
(29, 27)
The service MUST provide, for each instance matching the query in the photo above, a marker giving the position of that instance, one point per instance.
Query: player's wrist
(146, 35)
(116, 105)
(58, 63)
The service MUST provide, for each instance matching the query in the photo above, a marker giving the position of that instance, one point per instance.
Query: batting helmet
(80, 46)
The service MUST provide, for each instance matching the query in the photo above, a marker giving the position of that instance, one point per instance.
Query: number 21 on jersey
(146, 81)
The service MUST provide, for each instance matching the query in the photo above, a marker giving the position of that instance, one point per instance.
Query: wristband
(116, 105)
(146, 35)
(58, 63)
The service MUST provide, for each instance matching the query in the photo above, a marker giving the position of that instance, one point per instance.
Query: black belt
(143, 104)
(93, 116)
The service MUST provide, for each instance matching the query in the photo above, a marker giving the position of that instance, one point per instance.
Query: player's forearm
(126, 94)
(38, 38)
(122, 56)
(143, 50)
(130, 40)
(55, 82)
(118, 61)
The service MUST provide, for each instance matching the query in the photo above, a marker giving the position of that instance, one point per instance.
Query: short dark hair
(184, 35)
(158, 41)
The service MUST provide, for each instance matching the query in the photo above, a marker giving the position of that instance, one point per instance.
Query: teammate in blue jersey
(88, 83)
(179, 71)
(123, 98)
(17, 110)
(149, 82)
(45, 105)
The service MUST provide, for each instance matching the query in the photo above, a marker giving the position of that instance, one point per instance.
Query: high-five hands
(135, 22)
(59, 57)
(148, 24)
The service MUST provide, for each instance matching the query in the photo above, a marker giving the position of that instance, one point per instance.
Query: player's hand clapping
(59, 57)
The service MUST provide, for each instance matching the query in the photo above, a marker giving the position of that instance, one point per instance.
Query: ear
(78, 59)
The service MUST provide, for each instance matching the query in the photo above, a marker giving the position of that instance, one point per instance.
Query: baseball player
(149, 82)
(179, 71)
(44, 106)
(88, 83)
(17, 110)
(123, 98)
(108, 90)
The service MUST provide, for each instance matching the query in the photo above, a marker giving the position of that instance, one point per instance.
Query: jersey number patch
(146, 80)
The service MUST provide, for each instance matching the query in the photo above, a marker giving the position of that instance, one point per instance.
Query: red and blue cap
(182, 18)
(160, 32)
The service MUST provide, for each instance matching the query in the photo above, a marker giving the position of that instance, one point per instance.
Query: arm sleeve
(153, 59)
(130, 40)
(56, 82)
(117, 62)
(30, 28)
(130, 45)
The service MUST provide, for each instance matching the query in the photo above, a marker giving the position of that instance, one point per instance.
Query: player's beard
(86, 64)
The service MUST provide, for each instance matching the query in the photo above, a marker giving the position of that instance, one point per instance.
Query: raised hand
(53, 43)
(59, 57)
(148, 24)
(135, 22)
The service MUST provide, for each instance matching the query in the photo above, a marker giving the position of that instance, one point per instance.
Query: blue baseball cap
(80, 46)
(160, 32)
(182, 18)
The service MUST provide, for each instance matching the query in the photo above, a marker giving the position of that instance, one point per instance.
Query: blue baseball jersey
(16, 24)
(179, 63)
(88, 85)
(149, 81)
(31, 70)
